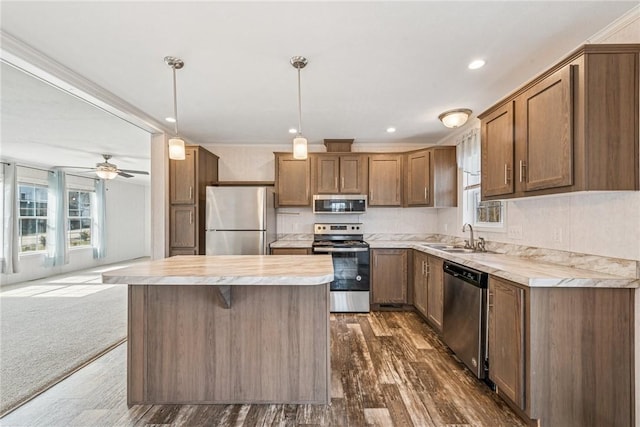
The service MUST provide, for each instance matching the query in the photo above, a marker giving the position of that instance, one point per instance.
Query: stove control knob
(358, 278)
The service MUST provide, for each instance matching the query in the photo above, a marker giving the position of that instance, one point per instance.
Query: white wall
(128, 219)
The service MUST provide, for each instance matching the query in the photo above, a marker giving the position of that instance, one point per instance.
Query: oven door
(350, 268)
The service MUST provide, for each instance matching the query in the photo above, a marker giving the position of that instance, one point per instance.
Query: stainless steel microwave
(339, 203)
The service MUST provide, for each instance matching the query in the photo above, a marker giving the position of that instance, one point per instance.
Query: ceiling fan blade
(132, 171)
(76, 167)
(124, 175)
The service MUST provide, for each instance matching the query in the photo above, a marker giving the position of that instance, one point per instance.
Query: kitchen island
(228, 329)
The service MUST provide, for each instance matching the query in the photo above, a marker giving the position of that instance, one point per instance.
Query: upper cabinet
(293, 183)
(385, 180)
(339, 173)
(574, 128)
(432, 177)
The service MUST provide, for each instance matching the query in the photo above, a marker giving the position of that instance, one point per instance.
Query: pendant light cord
(175, 101)
(299, 106)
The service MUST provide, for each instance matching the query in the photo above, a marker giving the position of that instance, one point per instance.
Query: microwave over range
(339, 204)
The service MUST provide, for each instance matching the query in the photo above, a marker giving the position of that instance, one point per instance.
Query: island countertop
(235, 270)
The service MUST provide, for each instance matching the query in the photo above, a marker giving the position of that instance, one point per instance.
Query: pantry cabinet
(389, 276)
(432, 177)
(293, 181)
(188, 180)
(339, 173)
(573, 128)
(385, 180)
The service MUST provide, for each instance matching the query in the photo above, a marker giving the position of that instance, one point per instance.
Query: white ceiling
(371, 65)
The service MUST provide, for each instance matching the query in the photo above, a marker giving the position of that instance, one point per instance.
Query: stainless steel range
(350, 254)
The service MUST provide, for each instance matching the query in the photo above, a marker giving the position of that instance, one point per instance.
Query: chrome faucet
(472, 243)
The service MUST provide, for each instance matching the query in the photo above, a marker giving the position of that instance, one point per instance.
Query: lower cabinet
(420, 293)
(428, 287)
(389, 276)
(290, 251)
(563, 356)
(183, 235)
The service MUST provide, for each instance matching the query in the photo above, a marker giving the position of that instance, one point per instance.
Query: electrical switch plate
(514, 232)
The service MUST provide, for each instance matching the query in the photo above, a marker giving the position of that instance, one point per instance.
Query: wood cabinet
(506, 338)
(563, 356)
(389, 276)
(435, 291)
(290, 251)
(188, 180)
(339, 173)
(420, 293)
(573, 128)
(293, 181)
(432, 178)
(385, 180)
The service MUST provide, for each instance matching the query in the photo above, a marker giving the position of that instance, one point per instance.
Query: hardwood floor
(388, 369)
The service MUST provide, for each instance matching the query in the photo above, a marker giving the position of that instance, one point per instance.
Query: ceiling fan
(106, 170)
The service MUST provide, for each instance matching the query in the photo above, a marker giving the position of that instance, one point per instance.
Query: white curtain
(98, 229)
(469, 157)
(57, 220)
(10, 251)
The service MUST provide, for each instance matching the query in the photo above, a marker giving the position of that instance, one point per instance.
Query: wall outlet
(514, 232)
(557, 235)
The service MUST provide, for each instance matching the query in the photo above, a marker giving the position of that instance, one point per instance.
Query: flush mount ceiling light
(455, 118)
(176, 144)
(299, 142)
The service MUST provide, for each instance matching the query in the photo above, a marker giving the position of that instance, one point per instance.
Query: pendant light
(299, 142)
(176, 144)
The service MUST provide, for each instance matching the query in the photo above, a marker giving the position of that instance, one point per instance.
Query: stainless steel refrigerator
(240, 220)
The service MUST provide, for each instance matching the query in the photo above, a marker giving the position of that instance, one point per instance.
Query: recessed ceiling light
(292, 130)
(170, 119)
(478, 63)
(391, 130)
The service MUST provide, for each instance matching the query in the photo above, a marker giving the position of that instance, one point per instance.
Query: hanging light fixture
(299, 142)
(455, 118)
(176, 144)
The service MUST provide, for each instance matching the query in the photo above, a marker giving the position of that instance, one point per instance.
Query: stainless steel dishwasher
(465, 315)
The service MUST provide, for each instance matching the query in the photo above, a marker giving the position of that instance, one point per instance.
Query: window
(487, 215)
(79, 218)
(32, 221)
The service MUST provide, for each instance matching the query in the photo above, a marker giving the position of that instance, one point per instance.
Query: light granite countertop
(227, 270)
(292, 243)
(528, 272)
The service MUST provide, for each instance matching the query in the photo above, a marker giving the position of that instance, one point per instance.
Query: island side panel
(271, 345)
(135, 345)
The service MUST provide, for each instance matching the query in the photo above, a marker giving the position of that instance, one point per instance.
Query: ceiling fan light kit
(299, 142)
(455, 118)
(176, 144)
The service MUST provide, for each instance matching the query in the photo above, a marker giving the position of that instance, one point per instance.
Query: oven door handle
(330, 250)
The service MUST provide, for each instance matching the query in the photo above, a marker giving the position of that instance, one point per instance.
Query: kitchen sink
(453, 249)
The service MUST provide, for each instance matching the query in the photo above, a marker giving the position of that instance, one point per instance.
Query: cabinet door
(418, 169)
(182, 178)
(435, 291)
(292, 181)
(498, 145)
(420, 282)
(183, 226)
(353, 174)
(545, 120)
(328, 173)
(389, 276)
(385, 178)
(506, 339)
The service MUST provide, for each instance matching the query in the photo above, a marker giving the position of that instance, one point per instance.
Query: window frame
(81, 218)
(45, 218)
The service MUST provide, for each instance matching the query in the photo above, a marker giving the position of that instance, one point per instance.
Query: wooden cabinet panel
(292, 181)
(183, 251)
(183, 226)
(353, 174)
(435, 289)
(389, 276)
(418, 182)
(506, 339)
(385, 180)
(420, 282)
(498, 145)
(328, 174)
(334, 174)
(182, 178)
(544, 116)
(290, 251)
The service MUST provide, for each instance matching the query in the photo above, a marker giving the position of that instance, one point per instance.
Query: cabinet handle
(425, 193)
(523, 166)
(371, 196)
(342, 188)
(190, 192)
(426, 264)
(506, 174)
(190, 217)
(490, 302)
(335, 182)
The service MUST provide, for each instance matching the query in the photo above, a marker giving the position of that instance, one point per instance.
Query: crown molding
(20, 55)
(618, 25)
